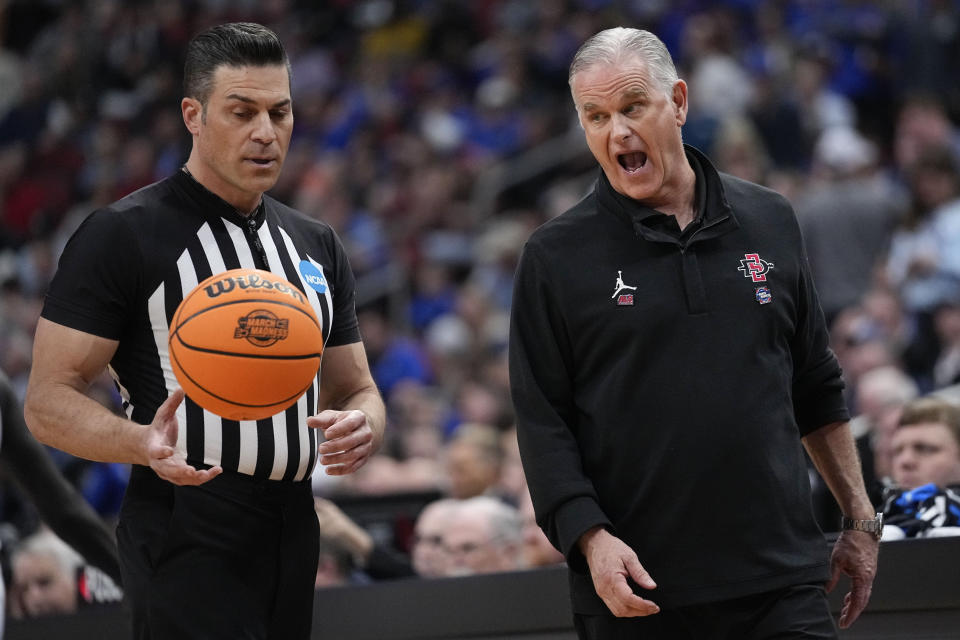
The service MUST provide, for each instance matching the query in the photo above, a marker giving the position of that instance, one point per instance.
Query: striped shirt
(125, 271)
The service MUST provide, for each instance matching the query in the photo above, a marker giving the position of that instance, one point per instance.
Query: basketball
(245, 344)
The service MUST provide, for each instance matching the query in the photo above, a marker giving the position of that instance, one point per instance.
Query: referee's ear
(192, 114)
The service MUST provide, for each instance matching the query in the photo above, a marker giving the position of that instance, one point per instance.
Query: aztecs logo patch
(754, 267)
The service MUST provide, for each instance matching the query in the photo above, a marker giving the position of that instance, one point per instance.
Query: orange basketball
(245, 344)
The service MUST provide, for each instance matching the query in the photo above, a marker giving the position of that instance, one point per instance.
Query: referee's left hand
(349, 440)
(854, 555)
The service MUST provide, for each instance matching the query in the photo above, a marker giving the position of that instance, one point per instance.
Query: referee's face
(240, 140)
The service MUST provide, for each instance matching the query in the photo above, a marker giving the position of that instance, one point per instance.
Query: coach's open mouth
(632, 161)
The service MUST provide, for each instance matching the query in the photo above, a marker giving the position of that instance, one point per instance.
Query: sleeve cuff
(572, 520)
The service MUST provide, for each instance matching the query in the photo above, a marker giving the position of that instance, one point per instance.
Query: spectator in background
(393, 357)
(860, 345)
(946, 324)
(847, 217)
(349, 546)
(44, 577)
(881, 394)
(924, 259)
(334, 566)
(483, 535)
(50, 578)
(429, 555)
(926, 471)
(922, 123)
(926, 444)
(473, 457)
(740, 151)
(821, 107)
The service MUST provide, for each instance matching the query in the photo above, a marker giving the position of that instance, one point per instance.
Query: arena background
(434, 136)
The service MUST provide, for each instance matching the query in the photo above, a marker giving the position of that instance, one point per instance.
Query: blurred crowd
(434, 135)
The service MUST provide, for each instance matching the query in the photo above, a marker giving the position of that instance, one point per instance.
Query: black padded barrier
(916, 597)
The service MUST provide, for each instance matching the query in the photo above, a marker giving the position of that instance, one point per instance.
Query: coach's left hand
(349, 440)
(854, 555)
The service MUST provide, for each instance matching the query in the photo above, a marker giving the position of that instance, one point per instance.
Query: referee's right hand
(160, 441)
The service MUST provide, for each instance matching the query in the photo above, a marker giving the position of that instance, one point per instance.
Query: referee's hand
(349, 440)
(160, 446)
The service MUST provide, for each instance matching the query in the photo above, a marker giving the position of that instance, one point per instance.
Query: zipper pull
(255, 241)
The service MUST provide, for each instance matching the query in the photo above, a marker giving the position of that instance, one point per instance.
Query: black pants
(232, 559)
(794, 613)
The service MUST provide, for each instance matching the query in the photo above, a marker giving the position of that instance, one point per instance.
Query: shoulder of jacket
(755, 204)
(569, 225)
(739, 191)
(149, 198)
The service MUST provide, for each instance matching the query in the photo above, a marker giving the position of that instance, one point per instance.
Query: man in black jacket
(660, 426)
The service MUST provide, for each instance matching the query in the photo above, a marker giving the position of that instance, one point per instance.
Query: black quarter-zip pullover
(662, 381)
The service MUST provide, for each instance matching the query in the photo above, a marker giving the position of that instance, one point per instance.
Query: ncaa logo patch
(313, 276)
(763, 295)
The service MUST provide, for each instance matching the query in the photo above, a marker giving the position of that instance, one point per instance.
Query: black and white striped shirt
(126, 269)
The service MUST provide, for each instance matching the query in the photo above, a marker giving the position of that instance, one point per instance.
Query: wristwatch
(874, 525)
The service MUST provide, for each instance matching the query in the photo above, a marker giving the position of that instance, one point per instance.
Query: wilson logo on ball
(262, 328)
(251, 281)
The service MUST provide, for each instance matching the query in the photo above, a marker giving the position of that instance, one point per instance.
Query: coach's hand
(349, 440)
(611, 563)
(854, 555)
(160, 446)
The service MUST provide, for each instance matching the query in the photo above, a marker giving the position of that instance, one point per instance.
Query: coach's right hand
(160, 440)
(611, 562)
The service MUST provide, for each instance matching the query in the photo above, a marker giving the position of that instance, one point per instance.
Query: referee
(217, 534)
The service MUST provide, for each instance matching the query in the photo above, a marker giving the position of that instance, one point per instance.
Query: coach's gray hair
(612, 45)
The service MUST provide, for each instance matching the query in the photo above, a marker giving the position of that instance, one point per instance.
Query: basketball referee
(217, 535)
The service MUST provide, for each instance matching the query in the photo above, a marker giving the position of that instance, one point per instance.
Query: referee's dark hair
(235, 44)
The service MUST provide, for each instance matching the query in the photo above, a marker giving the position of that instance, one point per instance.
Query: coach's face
(632, 128)
(240, 138)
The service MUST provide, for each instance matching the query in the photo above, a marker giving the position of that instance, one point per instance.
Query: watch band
(874, 525)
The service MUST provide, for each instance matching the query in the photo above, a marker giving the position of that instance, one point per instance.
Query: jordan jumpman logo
(620, 286)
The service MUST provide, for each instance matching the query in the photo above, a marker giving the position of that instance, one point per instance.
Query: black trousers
(232, 559)
(795, 613)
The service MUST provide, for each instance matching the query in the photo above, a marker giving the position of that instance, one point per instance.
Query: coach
(218, 536)
(668, 356)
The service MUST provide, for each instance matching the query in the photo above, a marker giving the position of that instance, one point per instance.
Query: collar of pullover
(713, 216)
(213, 205)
